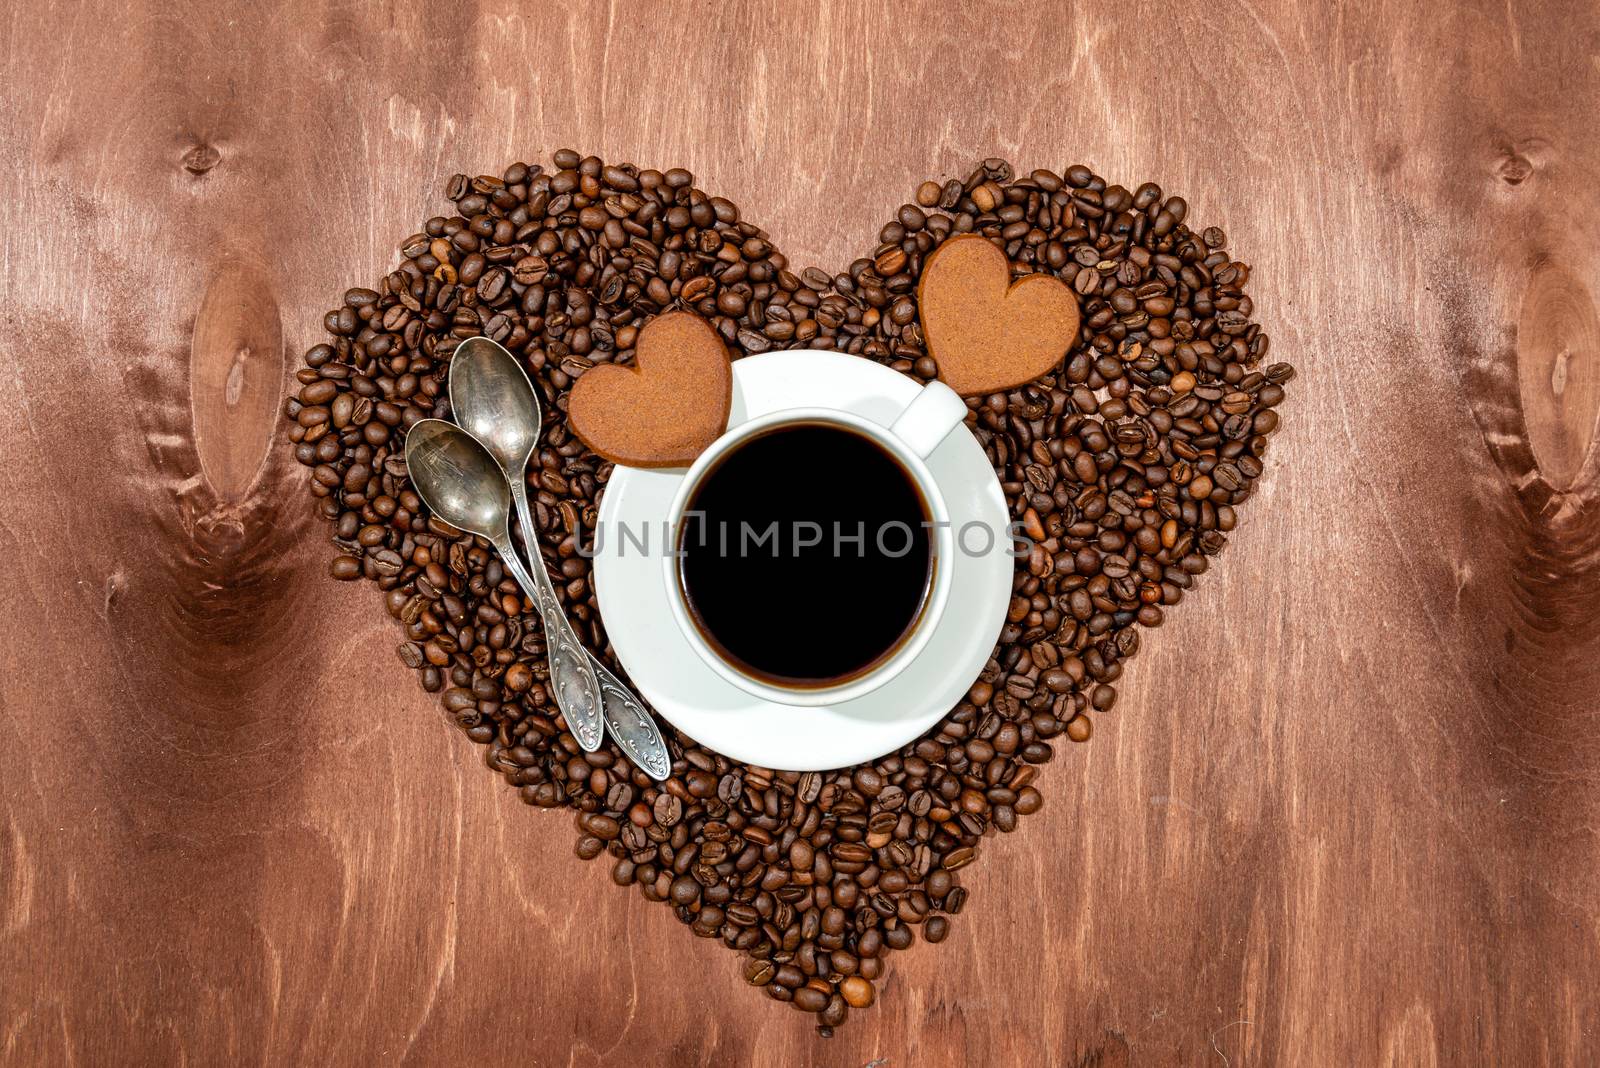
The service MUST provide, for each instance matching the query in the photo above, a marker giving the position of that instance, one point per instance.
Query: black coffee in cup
(806, 555)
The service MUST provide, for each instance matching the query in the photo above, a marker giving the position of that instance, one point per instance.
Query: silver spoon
(463, 485)
(491, 397)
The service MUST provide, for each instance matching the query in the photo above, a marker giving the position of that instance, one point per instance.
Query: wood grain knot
(1514, 168)
(201, 158)
(236, 369)
(1558, 372)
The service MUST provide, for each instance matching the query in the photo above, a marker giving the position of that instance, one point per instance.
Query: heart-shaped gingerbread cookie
(1124, 458)
(668, 407)
(986, 332)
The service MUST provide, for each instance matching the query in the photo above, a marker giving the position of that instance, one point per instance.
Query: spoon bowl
(493, 400)
(457, 478)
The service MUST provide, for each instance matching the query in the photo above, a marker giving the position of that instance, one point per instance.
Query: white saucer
(668, 674)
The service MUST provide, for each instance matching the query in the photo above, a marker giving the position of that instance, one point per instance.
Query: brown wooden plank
(1345, 811)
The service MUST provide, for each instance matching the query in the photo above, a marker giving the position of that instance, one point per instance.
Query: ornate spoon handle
(634, 728)
(572, 675)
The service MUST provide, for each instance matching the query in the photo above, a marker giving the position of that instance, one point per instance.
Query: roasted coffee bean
(809, 788)
(810, 999)
(857, 992)
(668, 810)
(958, 858)
(1124, 467)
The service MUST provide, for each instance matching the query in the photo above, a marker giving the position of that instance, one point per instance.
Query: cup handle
(929, 418)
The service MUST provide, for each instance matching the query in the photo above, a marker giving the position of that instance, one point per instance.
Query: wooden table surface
(1347, 810)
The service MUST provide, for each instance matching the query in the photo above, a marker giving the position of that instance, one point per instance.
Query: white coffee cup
(913, 434)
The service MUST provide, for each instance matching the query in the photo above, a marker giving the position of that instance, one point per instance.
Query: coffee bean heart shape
(1124, 463)
(666, 408)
